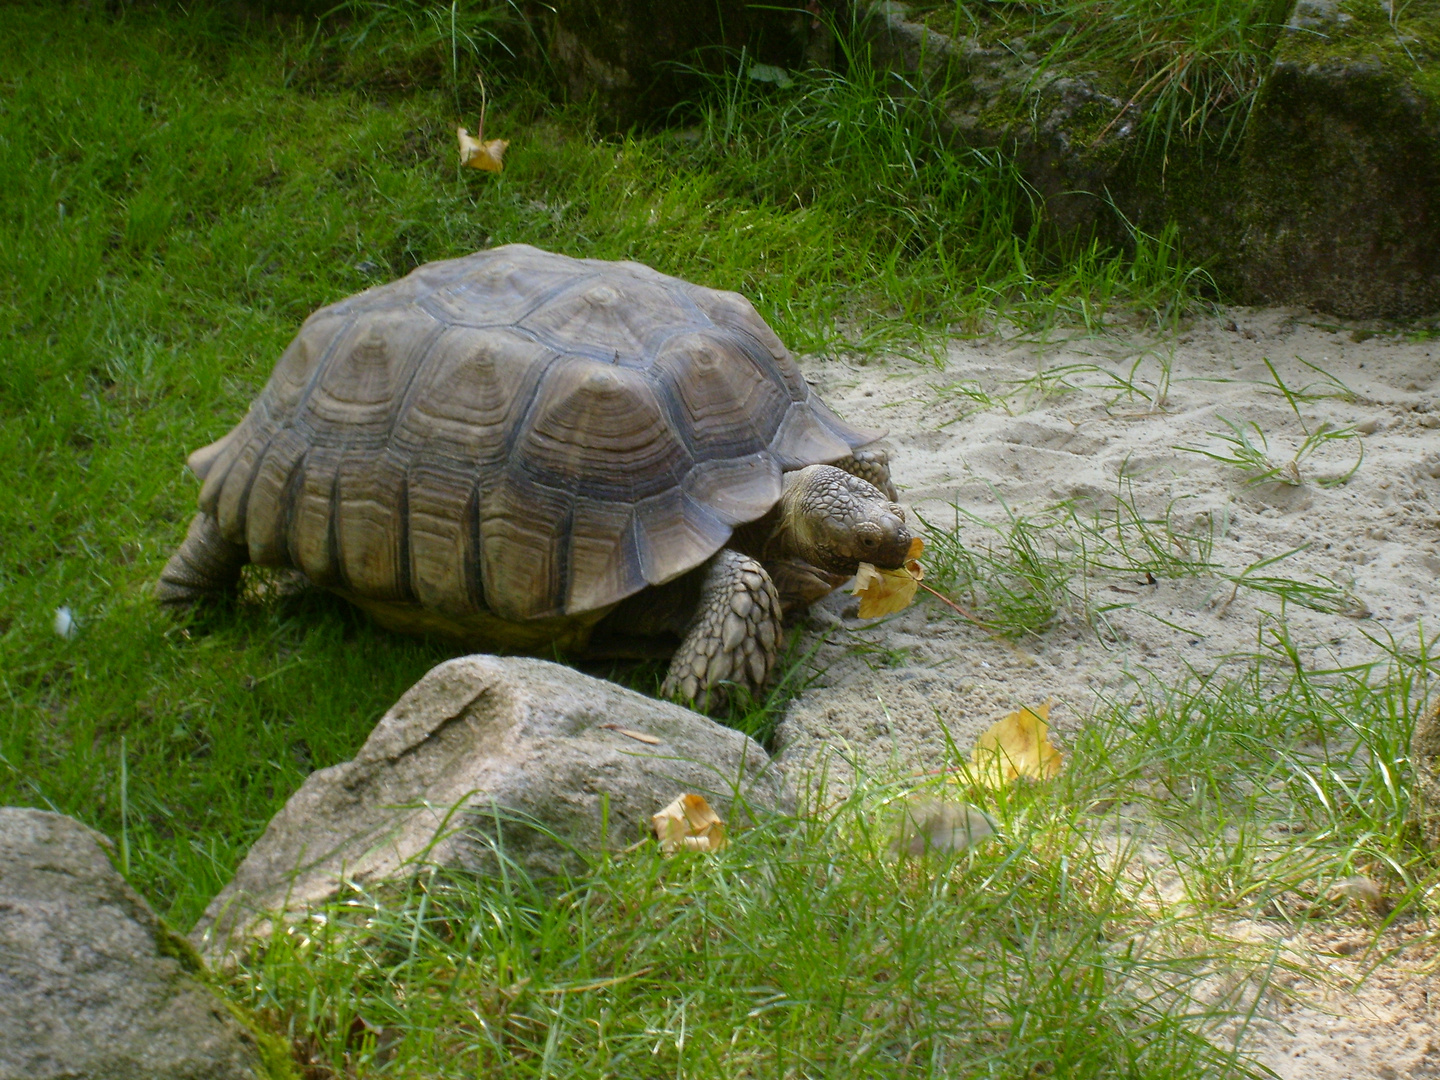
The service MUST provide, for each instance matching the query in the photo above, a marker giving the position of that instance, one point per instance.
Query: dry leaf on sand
(477, 154)
(1018, 745)
(884, 592)
(688, 824)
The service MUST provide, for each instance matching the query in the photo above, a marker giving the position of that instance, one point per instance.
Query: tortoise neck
(766, 538)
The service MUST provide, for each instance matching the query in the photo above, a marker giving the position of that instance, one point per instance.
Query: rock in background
(92, 986)
(1331, 201)
(482, 753)
(1342, 169)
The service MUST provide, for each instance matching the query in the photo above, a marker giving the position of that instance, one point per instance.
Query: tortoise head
(836, 521)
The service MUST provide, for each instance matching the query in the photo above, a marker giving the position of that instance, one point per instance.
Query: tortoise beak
(894, 546)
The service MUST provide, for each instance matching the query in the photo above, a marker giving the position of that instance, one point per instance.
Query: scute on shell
(546, 433)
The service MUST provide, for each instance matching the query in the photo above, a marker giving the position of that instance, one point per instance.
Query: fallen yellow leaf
(688, 824)
(487, 155)
(884, 592)
(477, 151)
(1018, 745)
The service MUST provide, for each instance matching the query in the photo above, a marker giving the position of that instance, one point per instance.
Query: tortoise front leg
(204, 565)
(733, 638)
(872, 465)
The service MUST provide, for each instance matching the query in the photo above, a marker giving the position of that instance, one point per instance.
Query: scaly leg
(734, 636)
(873, 466)
(206, 564)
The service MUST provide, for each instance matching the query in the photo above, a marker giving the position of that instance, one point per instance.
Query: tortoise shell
(516, 431)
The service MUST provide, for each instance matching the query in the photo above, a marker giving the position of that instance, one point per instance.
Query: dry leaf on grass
(688, 824)
(884, 592)
(478, 152)
(1018, 745)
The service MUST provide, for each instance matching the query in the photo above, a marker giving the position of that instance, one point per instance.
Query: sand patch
(1063, 430)
(1012, 429)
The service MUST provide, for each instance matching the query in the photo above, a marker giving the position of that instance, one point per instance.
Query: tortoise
(522, 451)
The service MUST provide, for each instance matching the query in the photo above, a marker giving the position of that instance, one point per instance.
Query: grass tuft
(804, 946)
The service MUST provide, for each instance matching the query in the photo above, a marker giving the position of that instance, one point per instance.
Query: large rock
(92, 986)
(483, 752)
(1342, 211)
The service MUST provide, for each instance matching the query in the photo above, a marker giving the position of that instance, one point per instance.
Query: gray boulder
(92, 986)
(487, 754)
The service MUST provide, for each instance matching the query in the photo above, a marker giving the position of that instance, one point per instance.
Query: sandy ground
(1063, 430)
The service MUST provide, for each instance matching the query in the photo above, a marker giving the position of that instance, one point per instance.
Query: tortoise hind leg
(206, 564)
(734, 636)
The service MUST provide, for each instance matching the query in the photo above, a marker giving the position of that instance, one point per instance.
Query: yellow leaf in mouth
(487, 155)
(1018, 745)
(884, 592)
(688, 824)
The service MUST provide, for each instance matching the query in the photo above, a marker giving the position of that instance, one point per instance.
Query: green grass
(1240, 450)
(1017, 575)
(807, 948)
(178, 191)
(804, 949)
